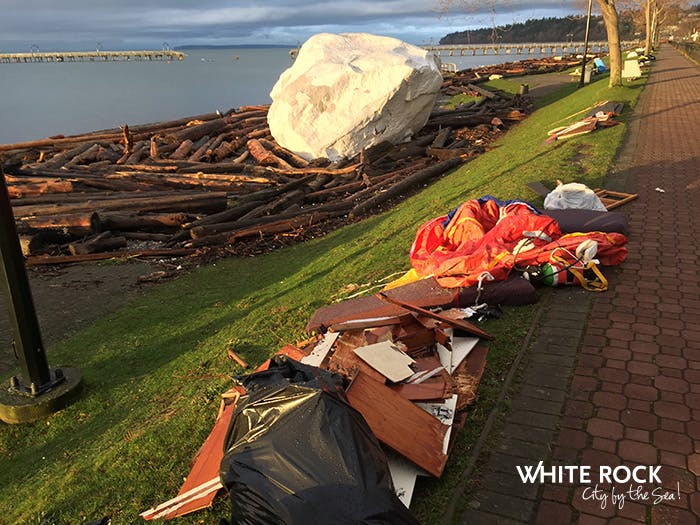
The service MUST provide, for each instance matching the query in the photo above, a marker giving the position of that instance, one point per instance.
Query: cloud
(71, 23)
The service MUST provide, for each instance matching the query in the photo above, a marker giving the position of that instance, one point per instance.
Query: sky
(61, 25)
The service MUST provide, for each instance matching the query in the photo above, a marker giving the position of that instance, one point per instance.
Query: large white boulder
(349, 91)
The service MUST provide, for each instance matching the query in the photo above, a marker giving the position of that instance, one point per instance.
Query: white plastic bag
(573, 196)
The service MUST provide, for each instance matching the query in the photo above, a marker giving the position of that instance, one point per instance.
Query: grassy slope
(153, 370)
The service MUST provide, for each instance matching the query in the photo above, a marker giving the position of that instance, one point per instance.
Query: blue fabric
(497, 201)
(600, 65)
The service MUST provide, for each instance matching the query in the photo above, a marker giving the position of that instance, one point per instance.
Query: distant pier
(549, 48)
(92, 56)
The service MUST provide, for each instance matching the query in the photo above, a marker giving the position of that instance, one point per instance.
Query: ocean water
(40, 100)
(43, 99)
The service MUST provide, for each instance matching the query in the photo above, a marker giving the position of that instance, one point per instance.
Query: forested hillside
(540, 30)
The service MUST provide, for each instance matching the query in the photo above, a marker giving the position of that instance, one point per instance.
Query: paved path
(614, 379)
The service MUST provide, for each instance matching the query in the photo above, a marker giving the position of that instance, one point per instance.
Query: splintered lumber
(147, 222)
(345, 362)
(455, 323)
(417, 178)
(468, 375)
(47, 143)
(228, 215)
(399, 424)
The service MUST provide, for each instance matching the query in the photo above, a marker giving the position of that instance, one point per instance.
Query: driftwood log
(217, 180)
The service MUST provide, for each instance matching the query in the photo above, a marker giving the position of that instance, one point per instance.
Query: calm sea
(41, 100)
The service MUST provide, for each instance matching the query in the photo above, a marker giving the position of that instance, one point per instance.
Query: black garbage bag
(297, 453)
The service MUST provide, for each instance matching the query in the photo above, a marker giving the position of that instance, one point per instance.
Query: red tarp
(486, 235)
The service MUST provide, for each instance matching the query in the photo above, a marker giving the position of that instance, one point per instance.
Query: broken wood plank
(467, 376)
(320, 351)
(400, 424)
(443, 410)
(426, 293)
(346, 363)
(455, 323)
(372, 322)
(432, 389)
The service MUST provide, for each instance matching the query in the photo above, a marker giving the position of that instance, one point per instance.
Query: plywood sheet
(399, 424)
(432, 389)
(387, 359)
(426, 293)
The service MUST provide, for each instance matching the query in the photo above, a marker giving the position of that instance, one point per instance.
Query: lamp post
(39, 390)
(585, 44)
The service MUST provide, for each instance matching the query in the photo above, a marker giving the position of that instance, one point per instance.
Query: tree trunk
(648, 10)
(609, 12)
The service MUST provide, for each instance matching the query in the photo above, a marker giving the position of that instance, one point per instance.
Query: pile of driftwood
(220, 182)
(455, 83)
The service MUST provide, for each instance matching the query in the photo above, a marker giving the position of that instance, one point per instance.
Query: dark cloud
(131, 23)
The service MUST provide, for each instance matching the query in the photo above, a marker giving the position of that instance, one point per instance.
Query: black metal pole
(585, 44)
(29, 348)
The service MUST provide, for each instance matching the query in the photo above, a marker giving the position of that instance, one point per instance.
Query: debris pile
(220, 182)
(409, 371)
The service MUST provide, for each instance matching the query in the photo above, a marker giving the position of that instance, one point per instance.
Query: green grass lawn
(153, 371)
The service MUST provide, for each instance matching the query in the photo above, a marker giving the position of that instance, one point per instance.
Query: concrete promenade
(613, 379)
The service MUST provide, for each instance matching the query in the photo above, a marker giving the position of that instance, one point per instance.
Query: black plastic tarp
(298, 454)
